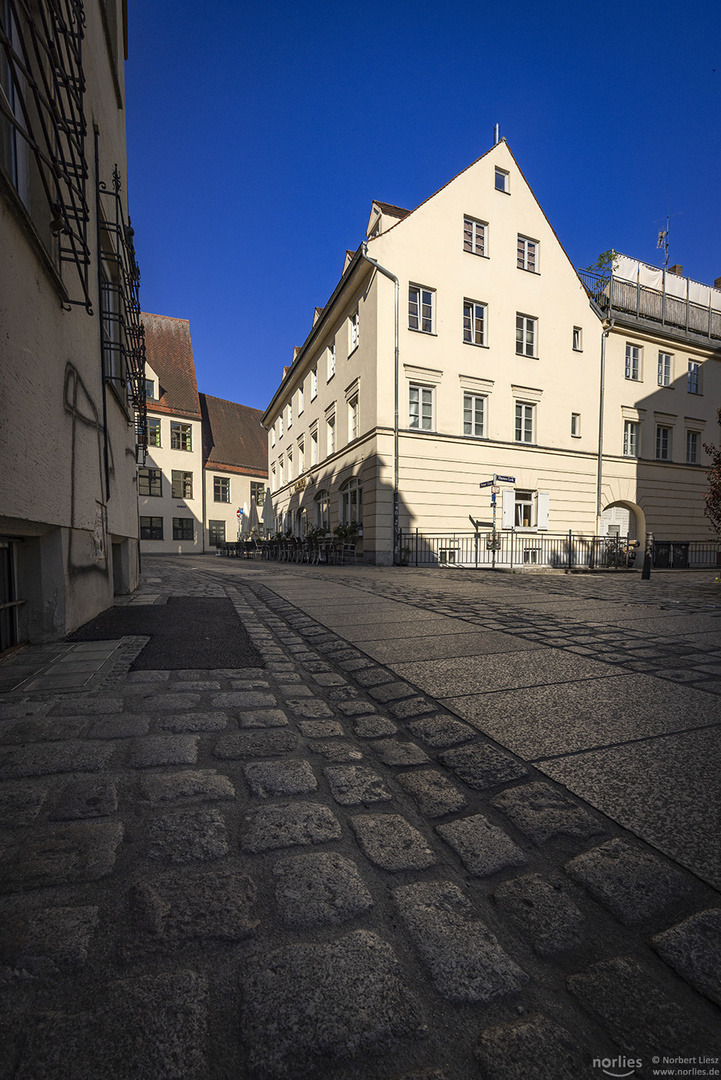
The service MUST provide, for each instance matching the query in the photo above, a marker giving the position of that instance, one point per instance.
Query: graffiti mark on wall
(87, 552)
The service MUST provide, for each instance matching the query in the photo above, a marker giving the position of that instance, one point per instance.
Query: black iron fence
(511, 550)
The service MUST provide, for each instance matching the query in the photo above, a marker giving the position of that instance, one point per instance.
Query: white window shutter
(542, 510)
(509, 507)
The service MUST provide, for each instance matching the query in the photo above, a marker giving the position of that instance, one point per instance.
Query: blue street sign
(504, 479)
(486, 483)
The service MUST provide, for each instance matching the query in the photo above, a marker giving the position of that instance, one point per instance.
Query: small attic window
(502, 181)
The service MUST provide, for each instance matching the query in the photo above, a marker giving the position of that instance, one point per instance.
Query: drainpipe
(607, 328)
(396, 499)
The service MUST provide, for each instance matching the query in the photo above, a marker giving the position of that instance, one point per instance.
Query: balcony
(647, 298)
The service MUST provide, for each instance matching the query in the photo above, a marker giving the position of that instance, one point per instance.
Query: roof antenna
(496, 134)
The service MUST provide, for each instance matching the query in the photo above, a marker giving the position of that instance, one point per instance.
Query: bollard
(646, 572)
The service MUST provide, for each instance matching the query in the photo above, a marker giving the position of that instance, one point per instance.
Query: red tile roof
(391, 210)
(233, 438)
(169, 352)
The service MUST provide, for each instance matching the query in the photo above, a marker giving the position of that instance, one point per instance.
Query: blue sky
(259, 134)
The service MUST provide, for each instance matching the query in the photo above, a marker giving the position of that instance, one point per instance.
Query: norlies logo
(618, 1066)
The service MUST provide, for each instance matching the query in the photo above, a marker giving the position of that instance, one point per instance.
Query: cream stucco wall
(165, 506)
(67, 483)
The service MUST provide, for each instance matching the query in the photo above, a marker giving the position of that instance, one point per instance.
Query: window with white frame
(314, 383)
(301, 457)
(353, 419)
(330, 434)
(474, 236)
(526, 335)
(420, 407)
(181, 484)
(280, 426)
(354, 332)
(314, 446)
(301, 400)
(289, 474)
(692, 445)
(322, 510)
(525, 422)
(153, 431)
(181, 436)
(290, 414)
(474, 415)
(281, 472)
(273, 482)
(150, 389)
(421, 309)
(633, 361)
(630, 438)
(663, 442)
(527, 254)
(351, 501)
(257, 492)
(524, 509)
(331, 361)
(577, 339)
(272, 435)
(664, 369)
(576, 425)
(694, 377)
(502, 180)
(474, 322)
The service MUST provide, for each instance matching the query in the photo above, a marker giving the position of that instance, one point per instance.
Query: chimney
(676, 269)
(496, 134)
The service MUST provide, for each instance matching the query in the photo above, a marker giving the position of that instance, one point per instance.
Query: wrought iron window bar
(42, 100)
(122, 331)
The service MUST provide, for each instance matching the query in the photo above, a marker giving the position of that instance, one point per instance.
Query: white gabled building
(466, 318)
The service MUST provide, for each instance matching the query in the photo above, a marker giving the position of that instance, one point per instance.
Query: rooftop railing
(614, 296)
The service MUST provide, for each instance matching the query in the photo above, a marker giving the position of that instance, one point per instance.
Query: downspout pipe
(607, 328)
(396, 377)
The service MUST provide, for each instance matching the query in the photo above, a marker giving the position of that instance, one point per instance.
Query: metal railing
(513, 550)
(614, 295)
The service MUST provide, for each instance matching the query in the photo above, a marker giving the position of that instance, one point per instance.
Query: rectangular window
(694, 377)
(474, 415)
(474, 236)
(273, 482)
(353, 419)
(314, 383)
(301, 400)
(633, 362)
(151, 528)
(150, 482)
(181, 436)
(420, 407)
(577, 339)
(576, 425)
(217, 533)
(281, 472)
(421, 303)
(221, 489)
(301, 457)
(272, 435)
(182, 485)
(664, 369)
(183, 528)
(290, 465)
(663, 443)
(692, 447)
(526, 335)
(153, 431)
(331, 361)
(630, 438)
(150, 389)
(474, 322)
(525, 422)
(280, 426)
(314, 447)
(257, 492)
(502, 180)
(527, 254)
(290, 414)
(330, 435)
(354, 334)
(524, 509)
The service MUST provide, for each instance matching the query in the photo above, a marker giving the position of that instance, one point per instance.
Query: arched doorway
(625, 519)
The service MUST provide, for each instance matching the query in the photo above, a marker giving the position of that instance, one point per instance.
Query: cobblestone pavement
(315, 868)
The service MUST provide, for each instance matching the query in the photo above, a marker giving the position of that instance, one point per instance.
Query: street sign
(486, 483)
(239, 512)
(504, 479)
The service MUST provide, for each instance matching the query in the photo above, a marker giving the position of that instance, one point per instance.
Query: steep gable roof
(169, 352)
(233, 438)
